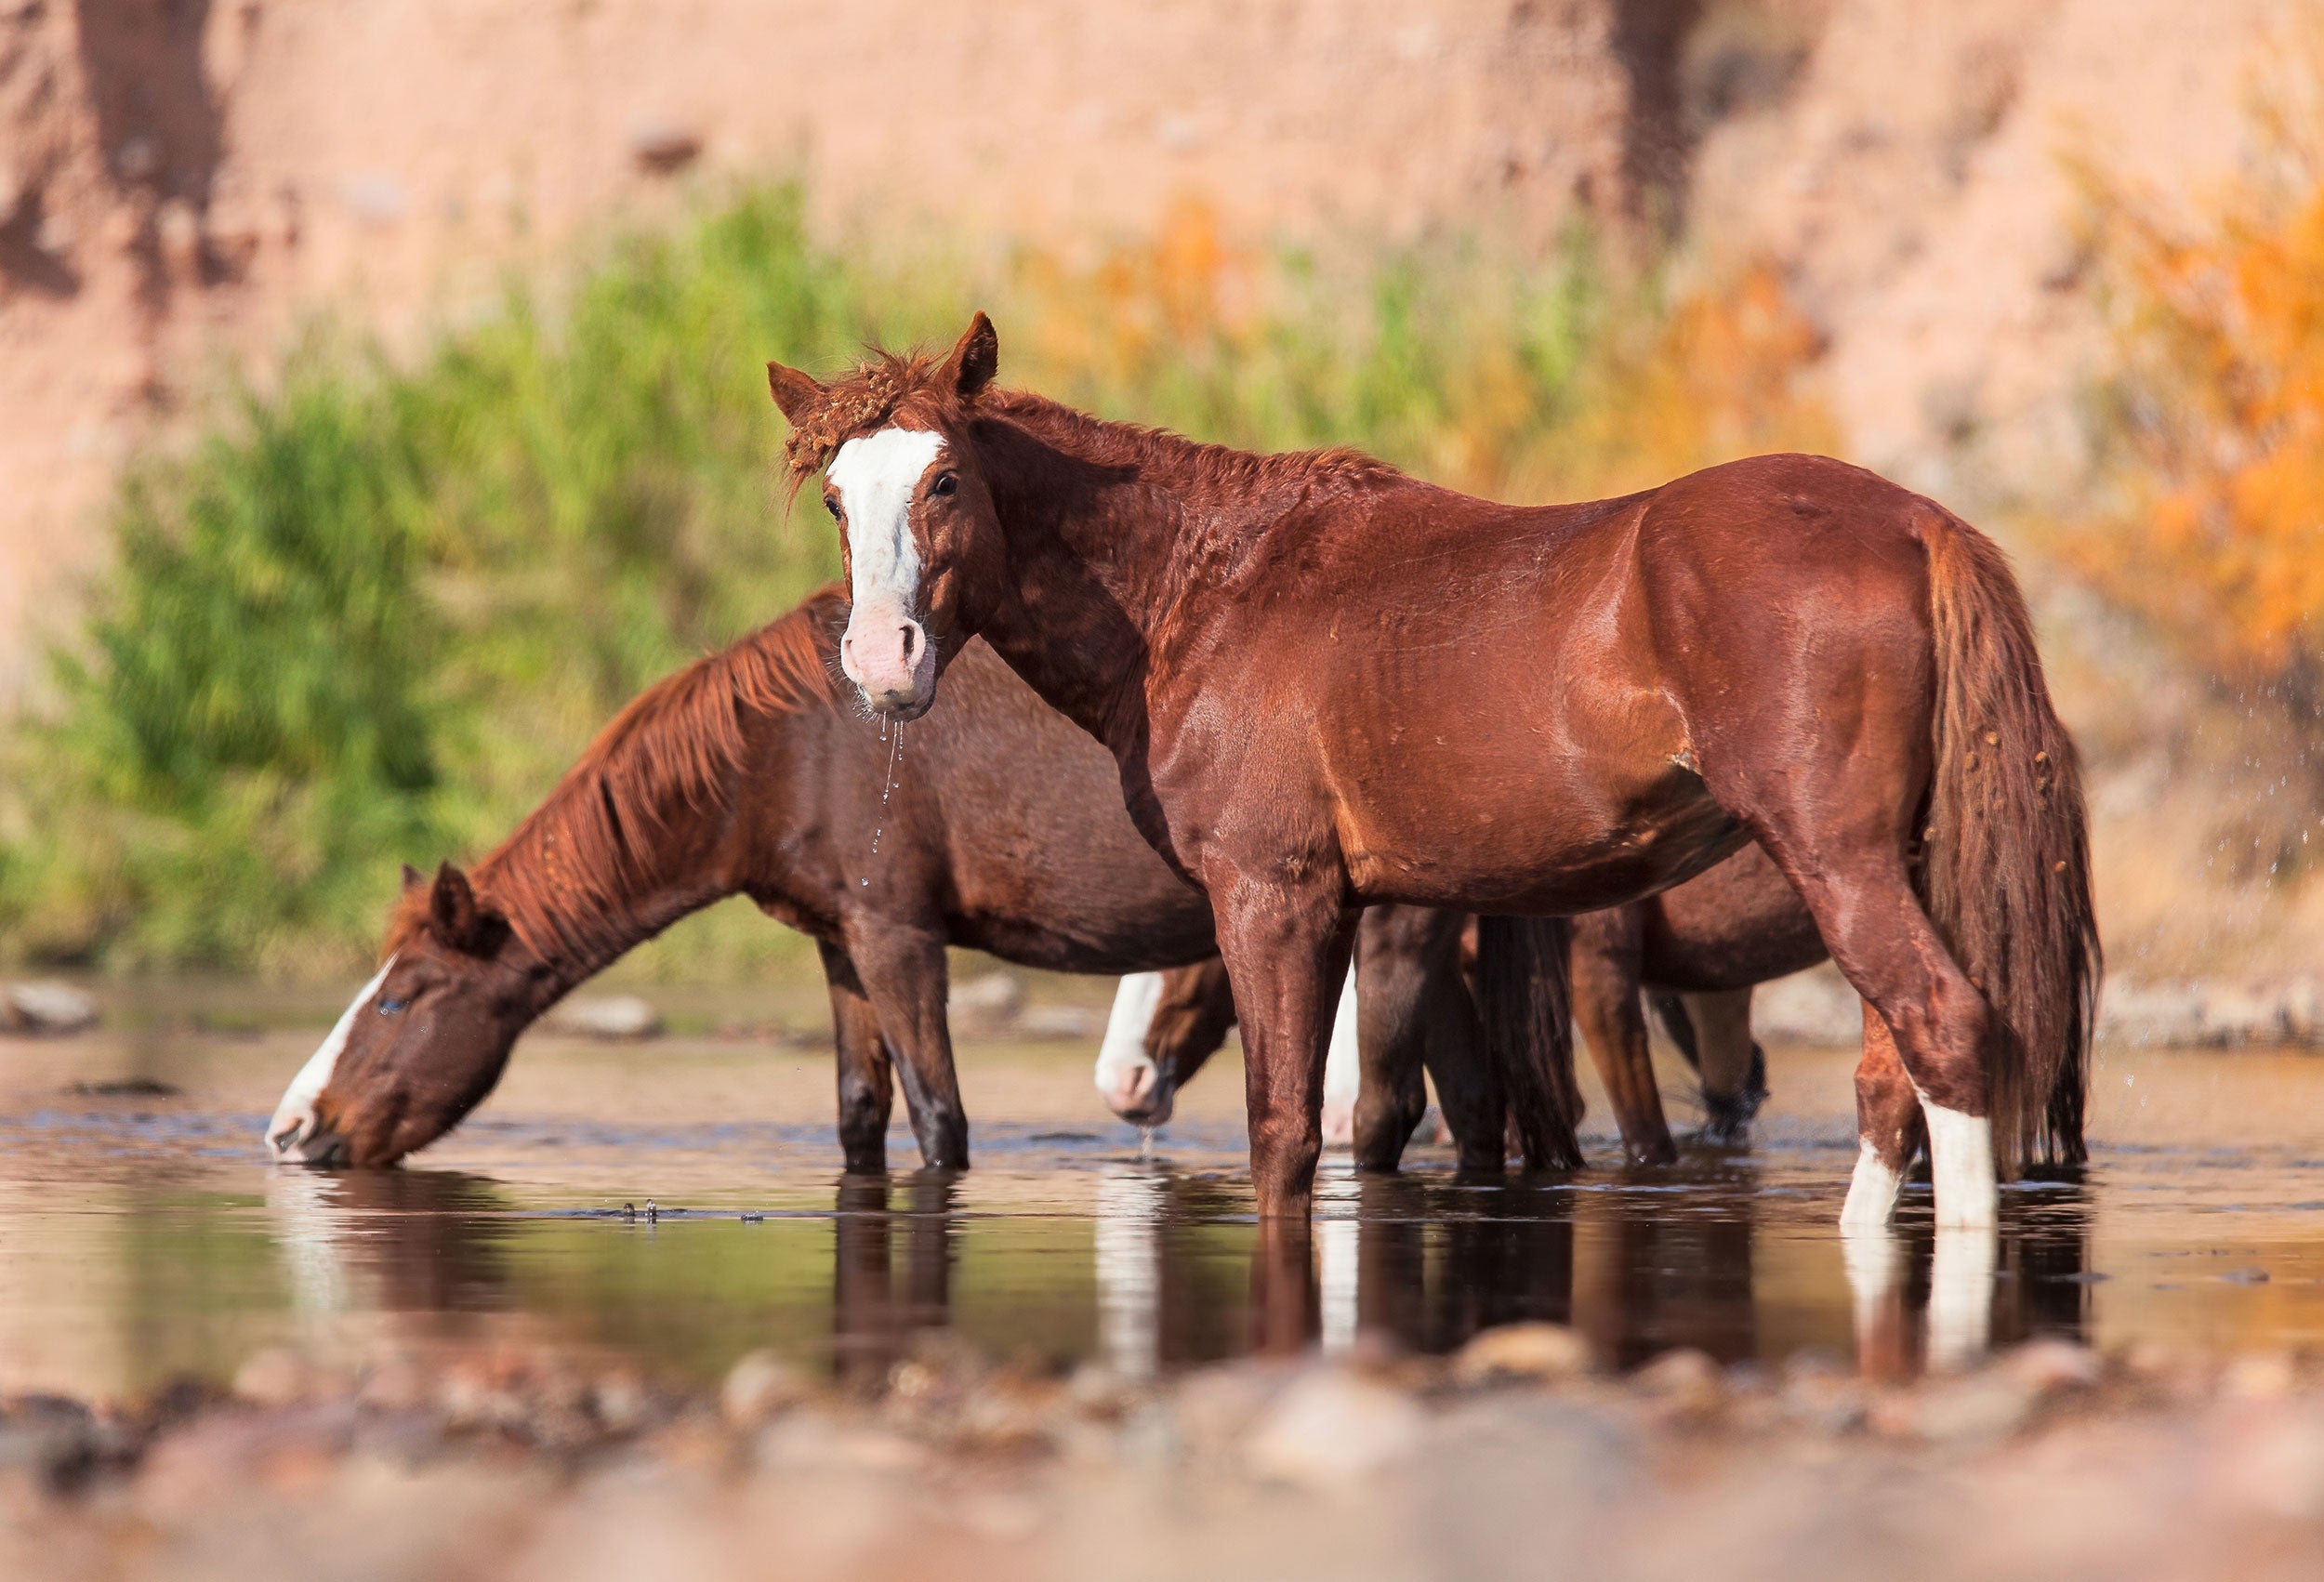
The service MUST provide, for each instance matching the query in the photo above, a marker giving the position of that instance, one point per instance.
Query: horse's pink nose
(1132, 1088)
(888, 656)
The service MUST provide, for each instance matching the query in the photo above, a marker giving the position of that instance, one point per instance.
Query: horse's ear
(796, 393)
(453, 914)
(975, 360)
(412, 876)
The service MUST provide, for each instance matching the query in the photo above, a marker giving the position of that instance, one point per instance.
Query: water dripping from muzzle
(895, 756)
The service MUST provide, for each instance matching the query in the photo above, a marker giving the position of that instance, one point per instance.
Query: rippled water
(141, 1235)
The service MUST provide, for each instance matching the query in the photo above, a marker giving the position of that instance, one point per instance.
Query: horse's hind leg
(1866, 909)
(1889, 1128)
(1605, 964)
(904, 977)
(866, 1086)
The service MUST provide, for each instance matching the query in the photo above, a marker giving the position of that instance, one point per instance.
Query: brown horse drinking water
(752, 773)
(1325, 683)
(999, 826)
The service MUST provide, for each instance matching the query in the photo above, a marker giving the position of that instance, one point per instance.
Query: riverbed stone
(49, 1010)
(1330, 1428)
(1686, 1380)
(616, 1018)
(1815, 1008)
(988, 998)
(1540, 1352)
(759, 1387)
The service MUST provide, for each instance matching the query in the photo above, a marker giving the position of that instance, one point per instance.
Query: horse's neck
(669, 870)
(1092, 573)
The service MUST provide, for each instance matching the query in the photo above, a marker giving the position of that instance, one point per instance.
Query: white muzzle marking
(1127, 1078)
(292, 1136)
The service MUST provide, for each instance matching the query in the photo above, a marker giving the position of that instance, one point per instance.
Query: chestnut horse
(1694, 952)
(1326, 684)
(999, 826)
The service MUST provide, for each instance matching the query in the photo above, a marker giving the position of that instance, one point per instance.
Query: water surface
(681, 1202)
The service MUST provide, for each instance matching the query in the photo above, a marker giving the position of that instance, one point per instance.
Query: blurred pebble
(1537, 1351)
(1685, 1379)
(2048, 1365)
(757, 1388)
(47, 1009)
(1331, 1428)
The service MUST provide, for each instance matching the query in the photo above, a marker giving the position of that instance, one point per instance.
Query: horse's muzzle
(886, 654)
(1139, 1096)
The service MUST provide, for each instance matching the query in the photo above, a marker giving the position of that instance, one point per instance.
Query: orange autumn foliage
(2222, 544)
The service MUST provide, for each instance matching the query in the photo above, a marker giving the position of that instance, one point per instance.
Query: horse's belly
(1567, 839)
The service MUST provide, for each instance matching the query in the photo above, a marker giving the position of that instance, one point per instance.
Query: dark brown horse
(998, 828)
(1694, 952)
(1326, 684)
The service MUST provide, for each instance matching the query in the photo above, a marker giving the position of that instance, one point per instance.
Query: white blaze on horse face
(876, 476)
(1126, 1076)
(886, 652)
(288, 1133)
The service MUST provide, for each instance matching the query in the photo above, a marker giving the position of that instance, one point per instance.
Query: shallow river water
(680, 1202)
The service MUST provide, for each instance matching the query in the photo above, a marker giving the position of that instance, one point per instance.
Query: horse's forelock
(864, 400)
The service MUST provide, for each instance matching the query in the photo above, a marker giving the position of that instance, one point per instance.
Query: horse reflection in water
(877, 1308)
(1425, 1267)
(1639, 1266)
(394, 1245)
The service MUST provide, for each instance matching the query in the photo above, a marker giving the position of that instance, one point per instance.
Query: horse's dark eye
(389, 1008)
(945, 485)
(831, 504)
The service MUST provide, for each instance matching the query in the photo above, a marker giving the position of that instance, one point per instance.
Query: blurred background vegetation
(373, 610)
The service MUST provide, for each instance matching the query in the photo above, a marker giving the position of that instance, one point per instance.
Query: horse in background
(1325, 684)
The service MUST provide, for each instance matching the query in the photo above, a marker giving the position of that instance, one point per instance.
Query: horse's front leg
(1286, 950)
(904, 977)
(866, 1089)
(1407, 983)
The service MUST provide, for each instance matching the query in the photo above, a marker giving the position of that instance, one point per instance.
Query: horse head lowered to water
(1325, 684)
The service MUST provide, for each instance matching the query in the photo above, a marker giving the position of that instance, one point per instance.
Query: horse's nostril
(911, 643)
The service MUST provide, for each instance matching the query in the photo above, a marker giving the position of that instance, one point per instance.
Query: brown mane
(905, 385)
(568, 878)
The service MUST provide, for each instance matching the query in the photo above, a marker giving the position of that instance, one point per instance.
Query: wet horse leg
(1397, 956)
(867, 1076)
(1941, 1026)
(1889, 1128)
(1287, 952)
(904, 978)
(1733, 1067)
(1418, 1012)
(1604, 963)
